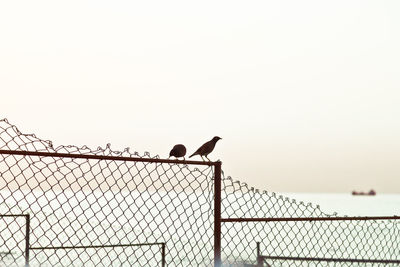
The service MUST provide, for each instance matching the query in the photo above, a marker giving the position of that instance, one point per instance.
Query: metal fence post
(217, 214)
(259, 258)
(163, 254)
(27, 225)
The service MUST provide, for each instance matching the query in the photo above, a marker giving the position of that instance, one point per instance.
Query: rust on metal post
(27, 227)
(163, 254)
(217, 214)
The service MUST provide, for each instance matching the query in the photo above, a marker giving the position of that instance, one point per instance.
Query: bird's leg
(207, 158)
(202, 157)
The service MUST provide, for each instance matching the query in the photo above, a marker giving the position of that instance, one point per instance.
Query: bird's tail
(194, 154)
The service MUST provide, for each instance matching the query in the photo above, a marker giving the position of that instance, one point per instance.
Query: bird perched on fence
(206, 148)
(178, 151)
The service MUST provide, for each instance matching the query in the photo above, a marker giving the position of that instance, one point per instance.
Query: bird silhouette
(178, 151)
(206, 148)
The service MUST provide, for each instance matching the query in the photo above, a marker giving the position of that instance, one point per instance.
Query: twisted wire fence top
(90, 202)
(85, 202)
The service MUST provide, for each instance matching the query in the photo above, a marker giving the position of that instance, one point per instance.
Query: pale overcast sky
(305, 94)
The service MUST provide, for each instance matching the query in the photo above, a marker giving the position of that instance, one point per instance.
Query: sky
(305, 94)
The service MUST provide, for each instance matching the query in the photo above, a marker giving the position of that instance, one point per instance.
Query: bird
(178, 151)
(206, 148)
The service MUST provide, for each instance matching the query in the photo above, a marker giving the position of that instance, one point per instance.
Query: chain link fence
(96, 212)
(14, 233)
(346, 239)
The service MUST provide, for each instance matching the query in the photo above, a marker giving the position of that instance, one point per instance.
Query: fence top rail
(100, 246)
(100, 157)
(330, 259)
(357, 218)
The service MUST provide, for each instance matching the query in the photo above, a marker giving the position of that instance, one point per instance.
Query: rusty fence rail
(261, 260)
(162, 244)
(311, 219)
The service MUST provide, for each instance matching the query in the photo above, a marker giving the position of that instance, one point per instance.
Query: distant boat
(370, 193)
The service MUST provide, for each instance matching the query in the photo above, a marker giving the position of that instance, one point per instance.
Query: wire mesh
(13, 249)
(75, 202)
(366, 239)
(82, 255)
(86, 202)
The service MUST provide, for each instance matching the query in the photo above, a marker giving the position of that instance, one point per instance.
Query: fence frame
(27, 230)
(217, 182)
(218, 220)
(310, 219)
(262, 258)
(163, 262)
